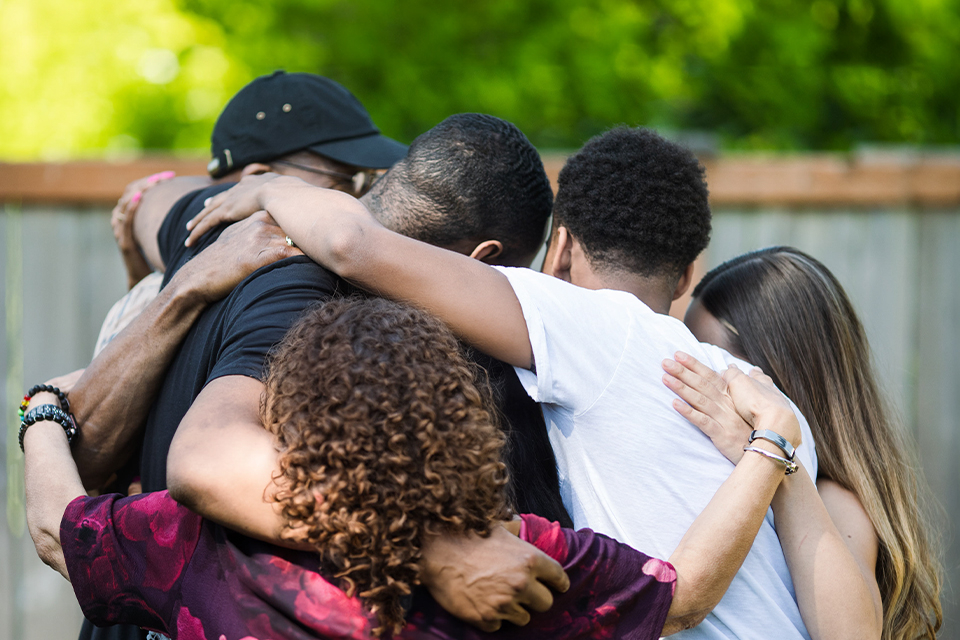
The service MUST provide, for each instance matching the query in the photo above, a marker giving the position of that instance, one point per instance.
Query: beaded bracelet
(34, 390)
(49, 412)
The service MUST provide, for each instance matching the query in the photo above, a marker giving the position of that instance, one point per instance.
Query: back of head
(786, 313)
(383, 437)
(636, 202)
(471, 178)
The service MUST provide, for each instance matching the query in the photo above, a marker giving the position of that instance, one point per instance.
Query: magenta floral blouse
(149, 561)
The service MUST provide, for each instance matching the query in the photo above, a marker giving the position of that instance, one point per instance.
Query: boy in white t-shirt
(630, 217)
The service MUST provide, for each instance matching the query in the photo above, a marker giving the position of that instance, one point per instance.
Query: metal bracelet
(775, 438)
(790, 467)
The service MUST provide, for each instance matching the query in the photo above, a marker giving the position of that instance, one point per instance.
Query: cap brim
(373, 152)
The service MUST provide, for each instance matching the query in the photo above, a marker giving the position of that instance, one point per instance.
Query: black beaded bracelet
(37, 388)
(49, 412)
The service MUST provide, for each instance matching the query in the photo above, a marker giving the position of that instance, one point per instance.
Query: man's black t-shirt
(231, 337)
(234, 336)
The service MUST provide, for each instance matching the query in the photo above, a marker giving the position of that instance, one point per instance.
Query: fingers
(757, 374)
(694, 390)
(487, 625)
(551, 573)
(732, 373)
(697, 418)
(702, 370)
(757, 399)
(202, 223)
(538, 597)
(209, 205)
(696, 375)
(213, 213)
(516, 614)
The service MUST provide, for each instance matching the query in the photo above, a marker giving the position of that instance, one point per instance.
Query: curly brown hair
(385, 435)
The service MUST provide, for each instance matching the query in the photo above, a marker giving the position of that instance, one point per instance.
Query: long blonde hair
(794, 321)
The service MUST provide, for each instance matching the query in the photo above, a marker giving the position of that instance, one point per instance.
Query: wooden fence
(889, 228)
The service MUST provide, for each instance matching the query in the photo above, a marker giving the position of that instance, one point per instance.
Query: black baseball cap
(284, 112)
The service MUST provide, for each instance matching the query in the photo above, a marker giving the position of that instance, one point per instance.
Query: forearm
(222, 461)
(337, 231)
(111, 400)
(837, 596)
(153, 209)
(712, 550)
(52, 482)
(135, 264)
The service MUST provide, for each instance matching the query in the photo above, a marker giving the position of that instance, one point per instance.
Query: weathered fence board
(938, 384)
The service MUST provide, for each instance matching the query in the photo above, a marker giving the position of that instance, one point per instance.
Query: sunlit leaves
(84, 77)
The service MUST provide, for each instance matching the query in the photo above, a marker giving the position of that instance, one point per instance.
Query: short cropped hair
(635, 202)
(473, 177)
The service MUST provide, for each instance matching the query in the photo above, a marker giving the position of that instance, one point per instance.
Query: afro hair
(635, 202)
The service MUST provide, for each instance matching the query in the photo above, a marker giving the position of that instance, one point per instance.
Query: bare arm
(831, 549)
(152, 209)
(337, 231)
(833, 572)
(122, 220)
(222, 461)
(51, 482)
(113, 396)
(712, 550)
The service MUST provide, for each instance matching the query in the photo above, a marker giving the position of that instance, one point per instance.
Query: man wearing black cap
(473, 184)
(296, 124)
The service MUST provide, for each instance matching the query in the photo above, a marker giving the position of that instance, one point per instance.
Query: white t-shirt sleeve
(577, 336)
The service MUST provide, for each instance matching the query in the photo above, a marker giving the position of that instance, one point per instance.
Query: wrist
(188, 288)
(44, 431)
(774, 455)
(435, 553)
(782, 421)
(766, 446)
(268, 190)
(42, 398)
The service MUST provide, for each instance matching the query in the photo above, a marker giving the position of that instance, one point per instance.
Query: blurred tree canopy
(83, 77)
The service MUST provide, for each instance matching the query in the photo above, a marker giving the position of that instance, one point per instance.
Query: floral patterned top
(149, 561)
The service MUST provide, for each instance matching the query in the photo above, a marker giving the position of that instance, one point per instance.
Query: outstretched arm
(111, 399)
(834, 573)
(337, 231)
(51, 481)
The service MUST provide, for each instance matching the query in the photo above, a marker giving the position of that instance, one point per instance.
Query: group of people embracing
(344, 407)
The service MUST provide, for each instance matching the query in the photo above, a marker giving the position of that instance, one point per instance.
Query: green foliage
(777, 74)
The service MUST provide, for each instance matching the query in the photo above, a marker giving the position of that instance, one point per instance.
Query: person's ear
(686, 279)
(559, 256)
(487, 250)
(255, 168)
